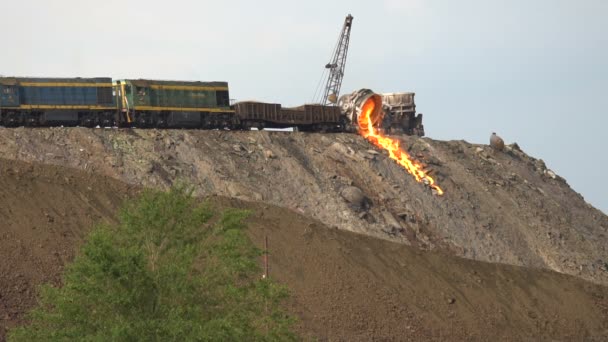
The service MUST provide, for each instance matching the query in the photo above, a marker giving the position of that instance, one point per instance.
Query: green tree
(170, 270)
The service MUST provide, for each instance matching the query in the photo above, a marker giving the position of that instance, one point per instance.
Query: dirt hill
(345, 286)
(45, 211)
(504, 207)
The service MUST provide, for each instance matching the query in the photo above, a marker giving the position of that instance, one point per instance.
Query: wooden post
(266, 276)
(266, 257)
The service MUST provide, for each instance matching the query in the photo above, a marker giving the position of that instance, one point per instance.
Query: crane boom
(337, 64)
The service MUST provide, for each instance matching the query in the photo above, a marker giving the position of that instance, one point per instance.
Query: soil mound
(345, 286)
(45, 211)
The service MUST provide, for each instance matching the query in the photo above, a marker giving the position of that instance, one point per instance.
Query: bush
(170, 270)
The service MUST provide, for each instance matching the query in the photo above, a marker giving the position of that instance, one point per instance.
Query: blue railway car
(57, 101)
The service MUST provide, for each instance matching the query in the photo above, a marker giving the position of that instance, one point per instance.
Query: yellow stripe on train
(182, 109)
(64, 84)
(184, 87)
(66, 107)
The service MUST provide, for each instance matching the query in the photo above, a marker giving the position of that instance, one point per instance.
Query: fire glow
(369, 132)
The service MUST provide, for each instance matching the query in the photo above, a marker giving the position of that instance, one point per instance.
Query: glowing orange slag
(368, 131)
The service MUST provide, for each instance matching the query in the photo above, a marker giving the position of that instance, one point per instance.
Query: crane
(337, 64)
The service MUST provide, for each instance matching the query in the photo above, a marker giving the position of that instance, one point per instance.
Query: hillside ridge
(504, 207)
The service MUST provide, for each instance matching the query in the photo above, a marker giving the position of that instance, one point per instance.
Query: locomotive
(56, 101)
(104, 102)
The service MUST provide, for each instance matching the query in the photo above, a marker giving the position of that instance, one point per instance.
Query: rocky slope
(344, 286)
(503, 207)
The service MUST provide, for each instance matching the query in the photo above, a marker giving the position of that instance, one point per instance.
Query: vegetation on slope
(170, 270)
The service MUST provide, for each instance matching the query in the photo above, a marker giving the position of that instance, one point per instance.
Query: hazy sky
(536, 71)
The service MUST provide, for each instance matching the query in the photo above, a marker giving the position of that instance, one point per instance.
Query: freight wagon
(303, 118)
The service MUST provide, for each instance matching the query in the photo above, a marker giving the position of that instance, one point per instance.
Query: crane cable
(317, 98)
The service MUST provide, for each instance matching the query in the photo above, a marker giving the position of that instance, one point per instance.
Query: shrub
(170, 270)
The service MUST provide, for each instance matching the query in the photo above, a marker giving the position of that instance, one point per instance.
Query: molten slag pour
(368, 120)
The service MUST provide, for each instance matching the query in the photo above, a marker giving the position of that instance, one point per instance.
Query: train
(142, 103)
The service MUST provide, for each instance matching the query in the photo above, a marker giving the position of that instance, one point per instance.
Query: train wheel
(86, 120)
(32, 119)
(12, 119)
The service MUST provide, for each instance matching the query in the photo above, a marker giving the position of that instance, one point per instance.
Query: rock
(496, 142)
(49, 218)
(353, 195)
(457, 149)
(390, 220)
(336, 146)
(478, 150)
(366, 155)
(234, 189)
(419, 145)
(540, 164)
(515, 147)
(268, 154)
(434, 161)
(257, 196)
(451, 301)
(344, 180)
(550, 174)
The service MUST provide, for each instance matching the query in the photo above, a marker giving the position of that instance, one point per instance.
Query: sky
(535, 72)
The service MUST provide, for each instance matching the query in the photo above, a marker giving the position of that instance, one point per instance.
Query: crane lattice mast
(337, 64)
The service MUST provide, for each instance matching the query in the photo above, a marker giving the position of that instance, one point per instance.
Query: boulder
(353, 195)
